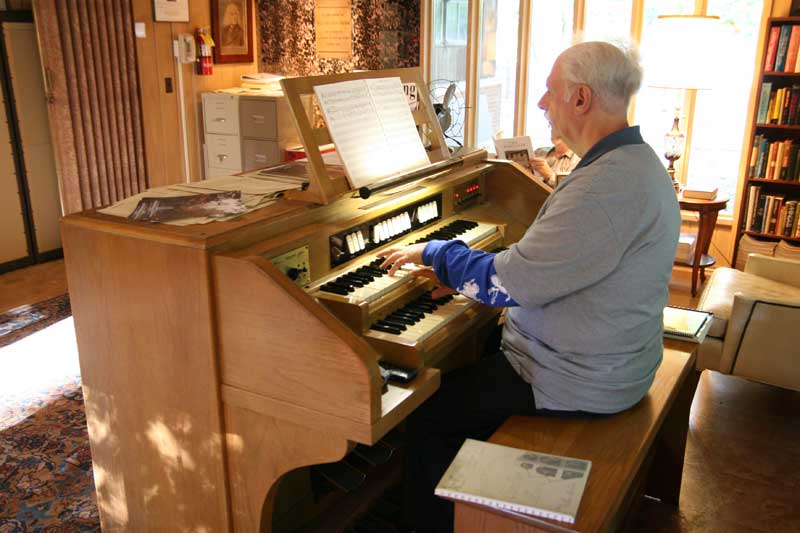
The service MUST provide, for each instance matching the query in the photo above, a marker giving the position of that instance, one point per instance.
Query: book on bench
(516, 481)
(686, 324)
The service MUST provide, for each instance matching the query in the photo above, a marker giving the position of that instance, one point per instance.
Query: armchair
(755, 332)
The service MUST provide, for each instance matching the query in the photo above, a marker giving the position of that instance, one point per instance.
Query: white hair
(612, 71)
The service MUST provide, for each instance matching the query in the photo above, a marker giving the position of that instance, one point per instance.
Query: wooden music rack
(322, 188)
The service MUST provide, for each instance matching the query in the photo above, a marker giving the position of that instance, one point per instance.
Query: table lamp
(681, 55)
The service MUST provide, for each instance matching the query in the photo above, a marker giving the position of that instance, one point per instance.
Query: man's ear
(583, 99)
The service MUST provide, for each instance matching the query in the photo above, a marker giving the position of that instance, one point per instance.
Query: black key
(342, 285)
(386, 329)
(402, 320)
(411, 315)
(334, 289)
(352, 280)
(389, 322)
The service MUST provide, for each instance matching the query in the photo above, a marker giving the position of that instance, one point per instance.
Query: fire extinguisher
(204, 44)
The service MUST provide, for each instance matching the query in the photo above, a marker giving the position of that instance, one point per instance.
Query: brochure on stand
(517, 149)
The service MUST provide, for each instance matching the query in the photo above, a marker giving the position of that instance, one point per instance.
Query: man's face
(554, 102)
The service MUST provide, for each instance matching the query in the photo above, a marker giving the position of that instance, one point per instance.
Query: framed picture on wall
(171, 10)
(232, 30)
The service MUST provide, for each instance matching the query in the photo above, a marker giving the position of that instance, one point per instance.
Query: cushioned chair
(755, 333)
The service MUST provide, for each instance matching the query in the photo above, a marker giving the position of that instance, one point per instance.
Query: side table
(707, 211)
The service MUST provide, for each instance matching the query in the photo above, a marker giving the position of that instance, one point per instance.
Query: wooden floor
(742, 470)
(32, 285)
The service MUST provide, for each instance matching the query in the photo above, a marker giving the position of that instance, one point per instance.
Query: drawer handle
(219, 119)
(258, 118)
(222, 157)
(261, 158)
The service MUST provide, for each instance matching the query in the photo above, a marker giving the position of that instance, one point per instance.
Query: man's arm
(470, 272)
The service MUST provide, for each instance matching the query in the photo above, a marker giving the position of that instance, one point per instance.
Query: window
(551, 32)
(721, 115)
(715, 134)
(607, 20)
(450, 22)
(498, 70)
(449, 62)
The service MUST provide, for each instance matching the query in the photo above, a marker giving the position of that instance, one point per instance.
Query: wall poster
(334, 30)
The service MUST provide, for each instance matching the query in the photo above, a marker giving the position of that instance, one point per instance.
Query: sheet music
(372, 127)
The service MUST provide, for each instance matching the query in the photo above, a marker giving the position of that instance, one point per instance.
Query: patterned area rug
(22, 321)
(46, 482)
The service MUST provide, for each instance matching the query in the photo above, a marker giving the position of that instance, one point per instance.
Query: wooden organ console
(218, 358)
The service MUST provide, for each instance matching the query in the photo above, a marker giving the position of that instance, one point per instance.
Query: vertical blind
(92, 87)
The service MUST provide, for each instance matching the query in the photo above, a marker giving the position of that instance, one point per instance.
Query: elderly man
(585, 286)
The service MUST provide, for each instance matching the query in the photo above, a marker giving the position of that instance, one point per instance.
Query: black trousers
(472, 402)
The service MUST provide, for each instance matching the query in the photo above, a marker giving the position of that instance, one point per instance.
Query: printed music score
(372, 127)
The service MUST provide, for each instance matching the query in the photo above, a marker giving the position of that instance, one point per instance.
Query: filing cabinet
(245, 130)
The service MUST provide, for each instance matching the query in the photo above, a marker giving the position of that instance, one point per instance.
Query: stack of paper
(685, 251)
(257, 191)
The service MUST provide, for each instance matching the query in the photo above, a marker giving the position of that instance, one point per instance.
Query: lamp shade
(683, 52)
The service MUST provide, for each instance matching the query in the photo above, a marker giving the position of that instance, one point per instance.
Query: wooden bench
(638, 451)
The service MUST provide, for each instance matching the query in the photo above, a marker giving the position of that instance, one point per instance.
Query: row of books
(778, 106)
(771, 214)
(782, 49)
(776, 160)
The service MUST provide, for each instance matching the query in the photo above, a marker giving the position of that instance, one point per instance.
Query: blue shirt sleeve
(470, 272)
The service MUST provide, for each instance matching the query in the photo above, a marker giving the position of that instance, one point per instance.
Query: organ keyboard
(366, 297)
(219, 359)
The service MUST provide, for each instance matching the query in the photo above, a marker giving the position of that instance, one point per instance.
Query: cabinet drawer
(224, 151)
(220, 113)
(259, 154)
(257, 118)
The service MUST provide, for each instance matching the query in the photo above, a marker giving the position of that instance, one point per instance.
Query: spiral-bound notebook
(520, 481)
(686, 324)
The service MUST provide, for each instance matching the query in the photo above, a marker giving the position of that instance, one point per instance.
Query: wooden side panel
(516, 195)
(275, 341)
(143, 322)
(261, 450)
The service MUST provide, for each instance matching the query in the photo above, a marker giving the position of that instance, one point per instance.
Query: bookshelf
(771, 188)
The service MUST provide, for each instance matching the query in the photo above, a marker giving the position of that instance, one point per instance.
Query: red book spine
(772, 48)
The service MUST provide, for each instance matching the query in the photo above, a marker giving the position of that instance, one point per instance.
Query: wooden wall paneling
(34, 129)
(162, 128)
(150, 88)
(169, 114)
(143, 320)
(780, 8)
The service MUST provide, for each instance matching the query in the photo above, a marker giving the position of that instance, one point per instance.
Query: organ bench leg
(261, 449)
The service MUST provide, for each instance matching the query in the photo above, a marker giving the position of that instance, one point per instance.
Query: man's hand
(539, 164)
(441, 289)
(397, 256)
